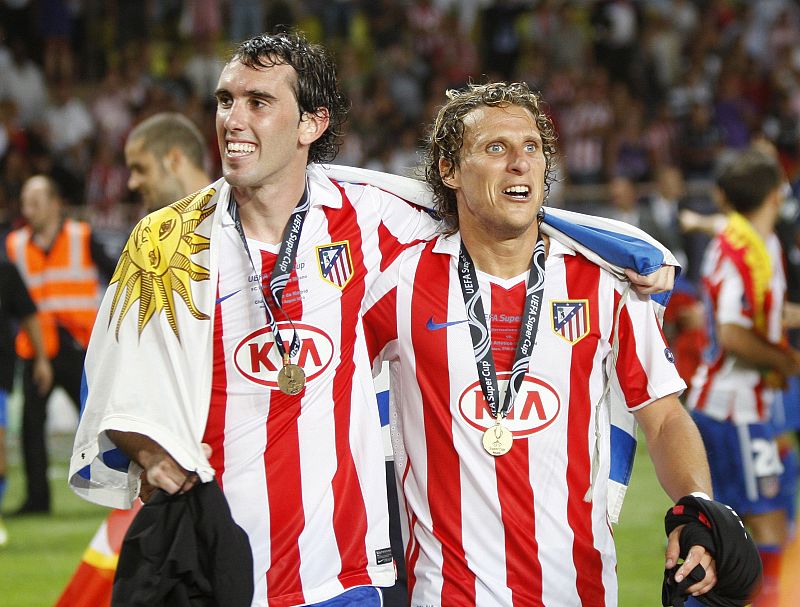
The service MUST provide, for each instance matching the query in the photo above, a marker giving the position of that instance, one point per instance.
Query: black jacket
(185, 550)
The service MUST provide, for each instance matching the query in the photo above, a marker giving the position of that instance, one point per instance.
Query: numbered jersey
(724, 387)
(512, 529)
(304, 475)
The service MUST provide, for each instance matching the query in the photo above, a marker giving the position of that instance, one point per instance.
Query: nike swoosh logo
(224, 297)
(435, 326)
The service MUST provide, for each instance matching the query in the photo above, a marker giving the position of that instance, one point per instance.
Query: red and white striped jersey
(304, 475)
(723, 387)
(514, 529)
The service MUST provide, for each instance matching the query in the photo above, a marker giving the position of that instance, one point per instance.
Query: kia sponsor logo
(536, 407)
(257, 357)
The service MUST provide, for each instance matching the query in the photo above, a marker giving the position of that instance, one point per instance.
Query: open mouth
(239, 149)
(520, 192)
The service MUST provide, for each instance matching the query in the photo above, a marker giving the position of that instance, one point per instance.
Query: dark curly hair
(317, 87)
(446, 137)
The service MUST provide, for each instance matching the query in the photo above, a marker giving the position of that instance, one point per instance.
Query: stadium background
(637, 89)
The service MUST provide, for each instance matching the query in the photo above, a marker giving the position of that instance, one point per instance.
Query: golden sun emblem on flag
(156, 263)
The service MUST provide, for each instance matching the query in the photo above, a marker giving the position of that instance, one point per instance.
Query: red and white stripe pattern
(722, 387)
(515, 529)
(304, 475)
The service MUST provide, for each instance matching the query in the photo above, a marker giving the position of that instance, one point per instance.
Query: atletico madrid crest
(335, 265)
(571, 319)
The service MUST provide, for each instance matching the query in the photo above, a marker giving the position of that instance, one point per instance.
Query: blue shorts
(788, 406)
(791, 467)
(3, 409)
(745, 464)
(363, 596)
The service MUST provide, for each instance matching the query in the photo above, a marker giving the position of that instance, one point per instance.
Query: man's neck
(195, 180)
(45, 237)
(763, 221)
(265, 212)
(503, 258)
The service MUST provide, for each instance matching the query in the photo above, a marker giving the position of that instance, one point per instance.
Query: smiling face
(262, 136)
(499, 180)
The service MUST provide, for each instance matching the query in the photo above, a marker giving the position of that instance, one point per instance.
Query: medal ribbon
(479, 332)
(282, 270)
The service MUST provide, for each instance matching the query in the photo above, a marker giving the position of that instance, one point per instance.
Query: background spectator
(61, 267)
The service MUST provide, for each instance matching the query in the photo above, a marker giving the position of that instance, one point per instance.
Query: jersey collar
(451, 245)
(322, 190)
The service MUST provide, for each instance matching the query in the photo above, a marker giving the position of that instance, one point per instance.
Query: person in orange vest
(60, 264)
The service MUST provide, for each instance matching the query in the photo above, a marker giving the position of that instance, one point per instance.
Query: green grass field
(44, 550)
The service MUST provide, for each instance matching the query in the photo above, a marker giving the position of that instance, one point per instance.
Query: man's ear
(448, 174)
(173, 159)
(777, 197)
(313, 125)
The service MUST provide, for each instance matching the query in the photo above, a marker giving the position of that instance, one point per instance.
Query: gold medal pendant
(498, 440)
(291, 377)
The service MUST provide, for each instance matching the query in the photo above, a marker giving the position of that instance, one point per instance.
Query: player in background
(748, 361)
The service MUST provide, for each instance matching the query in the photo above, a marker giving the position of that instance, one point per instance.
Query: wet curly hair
(316, 89)
(446, 137)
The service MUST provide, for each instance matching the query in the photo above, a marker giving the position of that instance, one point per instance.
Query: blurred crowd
(646, 95)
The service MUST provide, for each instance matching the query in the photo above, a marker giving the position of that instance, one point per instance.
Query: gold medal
(498, 440)
(291, 377)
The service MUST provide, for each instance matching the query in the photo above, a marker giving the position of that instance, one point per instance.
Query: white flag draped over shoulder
(613, 245)
(148, 362)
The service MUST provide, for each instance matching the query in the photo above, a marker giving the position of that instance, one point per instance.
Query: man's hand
(42, 374)
(161, 471)
(167, 474)
(697, 555)
(659, 281)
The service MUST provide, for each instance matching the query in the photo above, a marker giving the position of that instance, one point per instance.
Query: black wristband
(720, 531)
